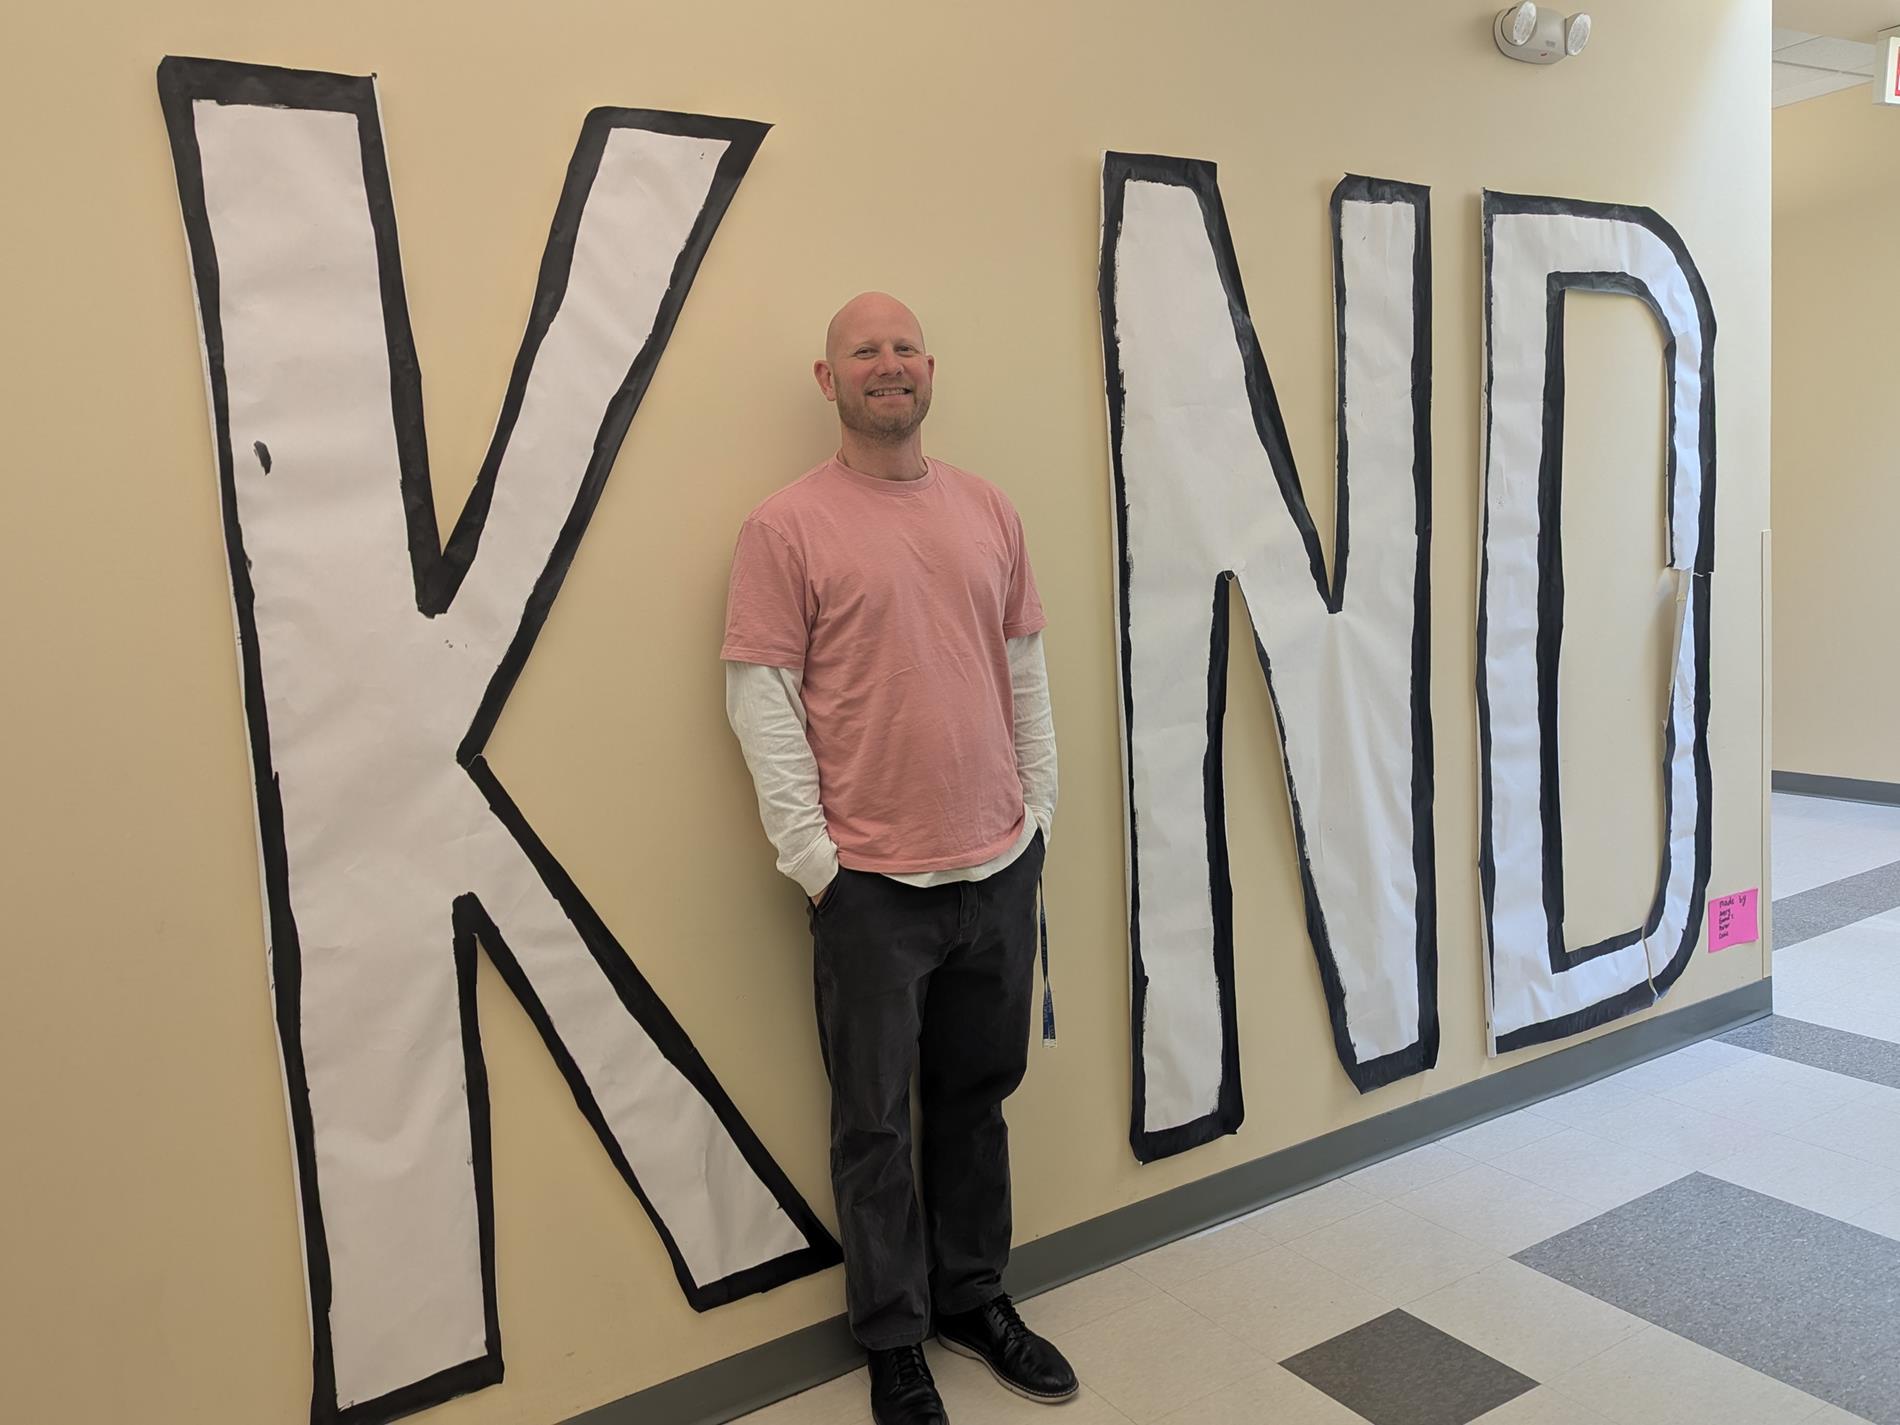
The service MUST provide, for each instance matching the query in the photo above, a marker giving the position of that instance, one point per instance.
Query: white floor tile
(1156, 1356)
(1591, 1168)
(1580, 1107)
(1818, 1179)
(1833, 1415)
(1816, 840)
(1676, 1132)
(1877, 1017)
(1657, 1376)
(1667, 1071)
(1866, 1129)
(1196, 1256)
(1883, 1095)
(1848, 946)
(1542, 1406)
(1719, 1051)
(1309, 1211)
(1856, 964)
(1882, 1217)
(1402, 1173)
(1531, 1322)
(1496, 1209)
(1091, 1298)
(1801, 996)
(1487, 1140)
(1810, 863)
(1793, 807)
(1769, 1093)
(1393, 1253)
(1274, 1394)
(1281, 1302)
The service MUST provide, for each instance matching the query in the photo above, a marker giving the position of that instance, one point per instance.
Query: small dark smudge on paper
(263, 454)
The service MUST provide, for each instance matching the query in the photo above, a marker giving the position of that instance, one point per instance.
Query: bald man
(884, 674)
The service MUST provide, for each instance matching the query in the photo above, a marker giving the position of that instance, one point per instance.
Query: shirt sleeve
(1022, 606)
(1035, 729)
(767, 712)
(768, 601)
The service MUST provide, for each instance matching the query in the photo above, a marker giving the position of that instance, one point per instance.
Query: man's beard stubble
(857, 416)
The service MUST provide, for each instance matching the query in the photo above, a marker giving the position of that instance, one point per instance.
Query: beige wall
(950, 153)
(1836, 450)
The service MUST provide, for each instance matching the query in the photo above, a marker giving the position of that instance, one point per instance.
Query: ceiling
(1824, 45)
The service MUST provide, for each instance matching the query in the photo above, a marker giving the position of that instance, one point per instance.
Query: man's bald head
(876, 369)
(871, 314)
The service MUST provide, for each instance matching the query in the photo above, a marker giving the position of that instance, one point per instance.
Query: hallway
(1709, 1238)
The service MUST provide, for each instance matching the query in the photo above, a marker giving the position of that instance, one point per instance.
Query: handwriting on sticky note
(1733, 920)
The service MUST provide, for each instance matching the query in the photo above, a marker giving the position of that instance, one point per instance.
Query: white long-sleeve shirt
(767, 712)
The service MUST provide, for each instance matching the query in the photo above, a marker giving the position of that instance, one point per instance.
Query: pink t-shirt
(895, 598)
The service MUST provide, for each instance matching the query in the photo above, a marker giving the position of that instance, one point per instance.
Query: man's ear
(821, 370)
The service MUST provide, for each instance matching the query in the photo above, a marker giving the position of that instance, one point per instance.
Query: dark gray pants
(936, 982)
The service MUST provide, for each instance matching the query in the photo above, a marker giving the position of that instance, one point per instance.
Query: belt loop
(1048, 995)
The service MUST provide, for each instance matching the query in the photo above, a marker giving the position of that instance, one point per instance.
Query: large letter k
(375, 662)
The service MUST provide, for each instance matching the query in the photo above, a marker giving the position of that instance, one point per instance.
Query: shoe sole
(950, 1343)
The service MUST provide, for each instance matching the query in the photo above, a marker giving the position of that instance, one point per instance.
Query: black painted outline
(438, 574)
(1199, 177)
(1550, 616)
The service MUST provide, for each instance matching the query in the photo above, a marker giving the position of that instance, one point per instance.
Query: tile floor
(1713, 1236)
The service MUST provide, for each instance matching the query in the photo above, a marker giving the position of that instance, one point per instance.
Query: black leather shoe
(995, 1335)
(902, 1392)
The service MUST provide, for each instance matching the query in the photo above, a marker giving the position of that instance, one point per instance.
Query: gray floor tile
(1793, 1294)
(1397, 1370)
(1806, 914)
(1876, 1060)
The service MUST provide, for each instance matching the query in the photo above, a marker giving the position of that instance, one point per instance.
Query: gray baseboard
(729, 1388)
(1844, 789)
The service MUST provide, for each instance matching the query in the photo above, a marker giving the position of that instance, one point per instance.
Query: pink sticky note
(1732, 920)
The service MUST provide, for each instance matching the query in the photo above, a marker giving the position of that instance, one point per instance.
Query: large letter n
(1206, 493)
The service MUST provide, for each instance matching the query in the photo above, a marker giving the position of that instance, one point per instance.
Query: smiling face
(876, 369)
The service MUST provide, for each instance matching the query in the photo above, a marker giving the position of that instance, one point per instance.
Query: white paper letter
(1206, 492)
(374, 664)
(1536, 250)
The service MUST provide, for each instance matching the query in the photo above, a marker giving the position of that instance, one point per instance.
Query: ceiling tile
(1793, 83)
(1847, 56)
